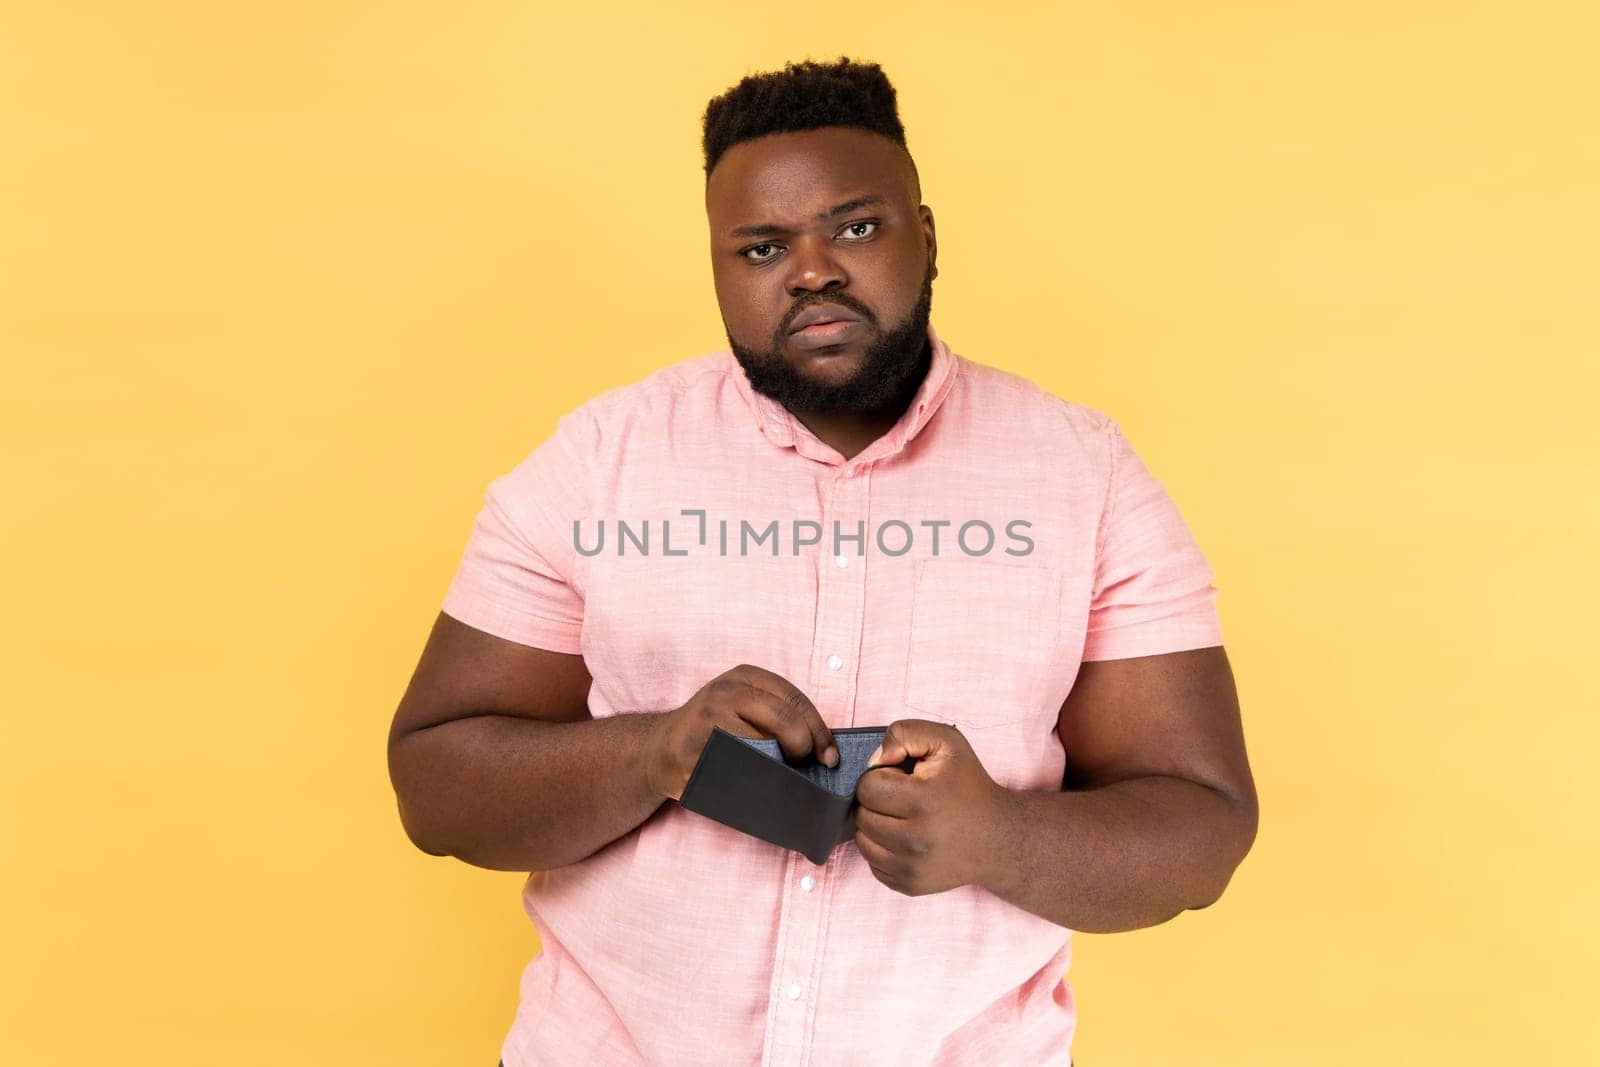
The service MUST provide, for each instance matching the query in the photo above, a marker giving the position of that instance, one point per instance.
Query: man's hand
(930, 829)
(745, 701)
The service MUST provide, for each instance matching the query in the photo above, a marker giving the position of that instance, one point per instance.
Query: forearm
(515, 794)
(1121, 857)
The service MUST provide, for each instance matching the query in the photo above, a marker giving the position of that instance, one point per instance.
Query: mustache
(827, 298)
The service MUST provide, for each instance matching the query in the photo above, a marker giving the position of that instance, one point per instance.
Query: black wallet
(808, 807)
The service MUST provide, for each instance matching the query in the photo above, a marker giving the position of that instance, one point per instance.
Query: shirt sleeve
(515, 575)
(1153, 590)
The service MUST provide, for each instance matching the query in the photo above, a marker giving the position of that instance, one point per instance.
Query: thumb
(901, 740)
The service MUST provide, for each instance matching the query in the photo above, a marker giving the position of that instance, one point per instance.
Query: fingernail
(872, 760)
(830, 756)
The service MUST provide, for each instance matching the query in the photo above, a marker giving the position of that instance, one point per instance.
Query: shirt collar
(778, 425)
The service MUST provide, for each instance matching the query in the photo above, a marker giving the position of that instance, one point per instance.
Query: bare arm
(1157, 806)
(496, 760)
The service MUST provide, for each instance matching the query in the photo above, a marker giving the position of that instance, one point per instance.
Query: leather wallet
(807, 806)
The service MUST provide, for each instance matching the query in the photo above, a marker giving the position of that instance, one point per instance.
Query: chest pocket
(983, 641)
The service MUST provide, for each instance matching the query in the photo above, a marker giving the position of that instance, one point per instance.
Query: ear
(926, 213)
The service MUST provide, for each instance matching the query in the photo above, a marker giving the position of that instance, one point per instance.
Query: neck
(849, 435)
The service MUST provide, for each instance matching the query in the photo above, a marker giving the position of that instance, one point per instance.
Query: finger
(795, 700)
(772, 717)
(886, 830)
(890, 794)
(884, 864)
(776, 717)
(799, 704)
(907, 737)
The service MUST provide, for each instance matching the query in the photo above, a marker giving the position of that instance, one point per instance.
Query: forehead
(790, 177)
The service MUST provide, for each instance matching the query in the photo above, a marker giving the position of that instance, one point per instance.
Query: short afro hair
(802, 96)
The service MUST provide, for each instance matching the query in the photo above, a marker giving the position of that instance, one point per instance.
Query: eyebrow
(771, 230)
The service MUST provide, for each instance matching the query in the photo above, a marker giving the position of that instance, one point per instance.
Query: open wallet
(807, 807)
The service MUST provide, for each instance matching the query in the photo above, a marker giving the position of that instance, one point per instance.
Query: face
(823, 260)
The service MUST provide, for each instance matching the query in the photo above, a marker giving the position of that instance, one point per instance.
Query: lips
(820, 313)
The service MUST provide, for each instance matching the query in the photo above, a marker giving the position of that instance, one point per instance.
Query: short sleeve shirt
(960, 569)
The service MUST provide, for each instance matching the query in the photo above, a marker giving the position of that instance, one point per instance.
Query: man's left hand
(936, 827)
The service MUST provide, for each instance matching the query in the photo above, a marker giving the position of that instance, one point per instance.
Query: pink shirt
(687, 942)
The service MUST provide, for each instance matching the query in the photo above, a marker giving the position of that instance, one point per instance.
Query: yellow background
(282, 287)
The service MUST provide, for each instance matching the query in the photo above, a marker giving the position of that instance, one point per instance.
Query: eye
(760, 253)
(858, 230)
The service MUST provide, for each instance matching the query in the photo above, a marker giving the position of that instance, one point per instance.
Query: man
(938, 546)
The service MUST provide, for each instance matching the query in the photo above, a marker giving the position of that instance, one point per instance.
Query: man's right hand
(747, 702)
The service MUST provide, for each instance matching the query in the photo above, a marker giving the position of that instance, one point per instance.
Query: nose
(813, 268)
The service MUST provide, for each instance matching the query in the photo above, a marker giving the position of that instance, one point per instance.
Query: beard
(892, 368)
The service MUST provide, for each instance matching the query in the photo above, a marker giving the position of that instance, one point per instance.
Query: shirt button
(843, 561)
(793, 992)
(808, 883)
(834, 663)
(850, 471)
